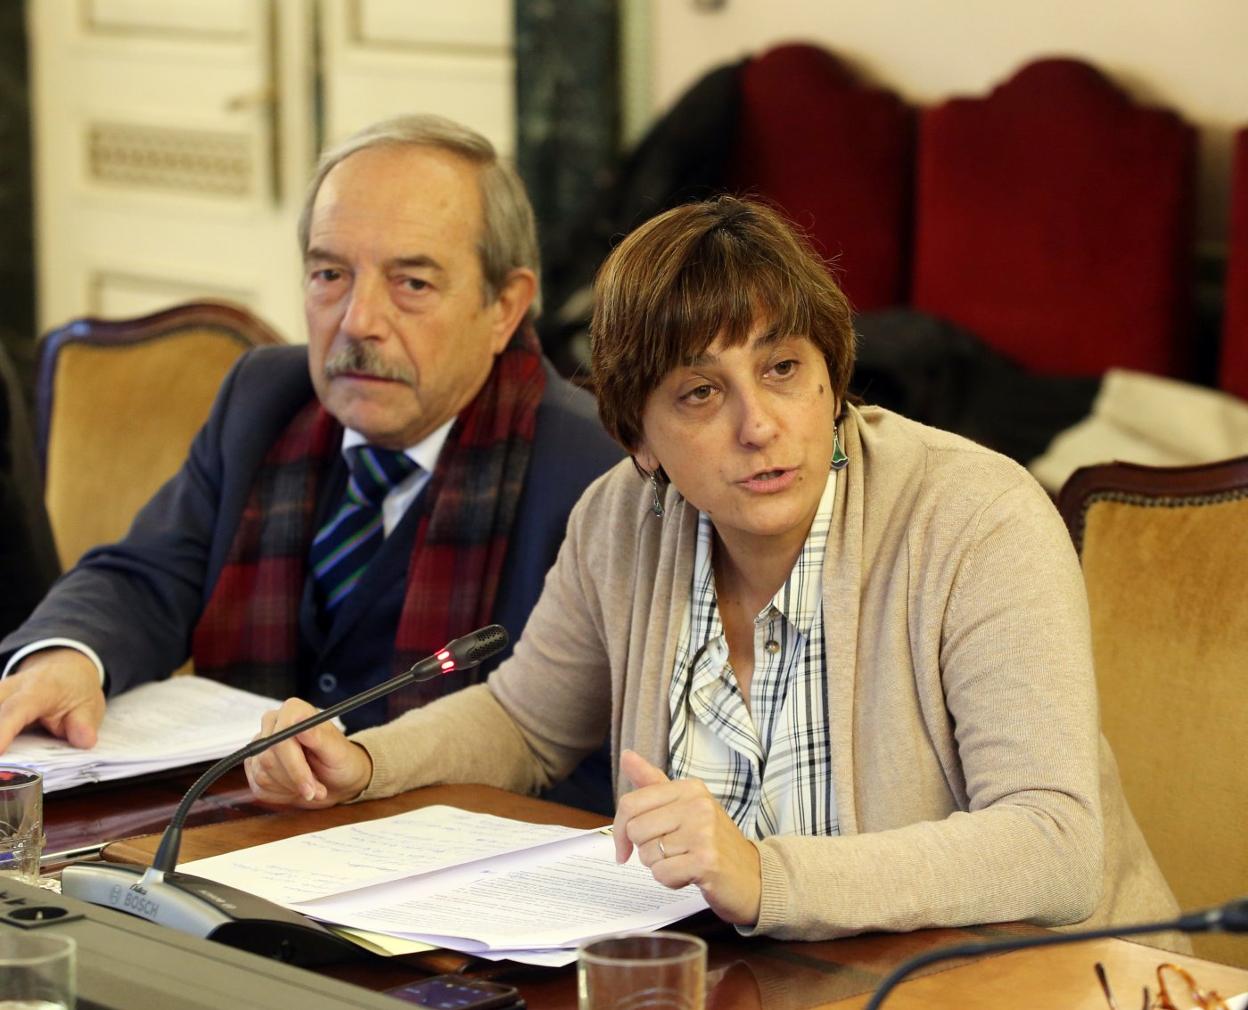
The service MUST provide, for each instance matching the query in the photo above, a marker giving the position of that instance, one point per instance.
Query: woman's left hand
(682, 833)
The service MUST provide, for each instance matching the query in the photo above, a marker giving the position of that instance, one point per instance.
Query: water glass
(37, 970)
(21, 824)
(655, 971)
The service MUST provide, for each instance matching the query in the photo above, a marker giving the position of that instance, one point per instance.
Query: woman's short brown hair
(698, 272)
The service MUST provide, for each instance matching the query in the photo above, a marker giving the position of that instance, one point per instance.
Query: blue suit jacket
(136, 602)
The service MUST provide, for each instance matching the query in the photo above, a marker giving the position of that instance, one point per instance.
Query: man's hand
(700, 843)
(57, 687)
(318, 768)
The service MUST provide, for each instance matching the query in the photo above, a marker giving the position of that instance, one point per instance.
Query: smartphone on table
(456, 992)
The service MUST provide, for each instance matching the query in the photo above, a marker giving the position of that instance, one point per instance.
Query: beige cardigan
(964, 737)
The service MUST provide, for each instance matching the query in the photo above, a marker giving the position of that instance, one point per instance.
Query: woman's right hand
(318, 768)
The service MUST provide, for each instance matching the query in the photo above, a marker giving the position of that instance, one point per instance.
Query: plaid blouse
(772, 772)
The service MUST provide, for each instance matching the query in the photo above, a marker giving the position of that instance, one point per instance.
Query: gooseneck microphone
(1231, 918)
(205, 908)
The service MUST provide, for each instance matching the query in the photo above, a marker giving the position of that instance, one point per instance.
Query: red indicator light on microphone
(448, 665)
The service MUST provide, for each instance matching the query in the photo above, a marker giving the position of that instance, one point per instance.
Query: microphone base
(207, 909)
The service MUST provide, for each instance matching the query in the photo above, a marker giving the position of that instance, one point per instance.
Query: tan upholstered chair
(1165, 559)
(118, 404)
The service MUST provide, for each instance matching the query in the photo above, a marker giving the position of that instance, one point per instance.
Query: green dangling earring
(839, 459)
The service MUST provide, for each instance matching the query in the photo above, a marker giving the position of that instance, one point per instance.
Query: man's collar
(424, 453)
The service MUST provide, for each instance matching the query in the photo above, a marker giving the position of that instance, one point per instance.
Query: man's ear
(513, 301)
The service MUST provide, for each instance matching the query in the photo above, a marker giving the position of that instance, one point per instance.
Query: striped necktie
(343, 547)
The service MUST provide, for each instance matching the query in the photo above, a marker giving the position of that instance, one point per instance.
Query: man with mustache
(352, 505)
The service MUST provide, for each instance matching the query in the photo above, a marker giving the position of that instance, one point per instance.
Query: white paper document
(471, 882)
(164, 724)
(325, 863)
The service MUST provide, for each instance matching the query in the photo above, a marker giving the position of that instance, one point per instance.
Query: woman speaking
(843, 659)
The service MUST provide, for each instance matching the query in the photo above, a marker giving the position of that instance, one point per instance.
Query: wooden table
(93, 815)
(743, 974)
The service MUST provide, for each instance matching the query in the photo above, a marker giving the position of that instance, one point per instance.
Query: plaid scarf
(248, 633)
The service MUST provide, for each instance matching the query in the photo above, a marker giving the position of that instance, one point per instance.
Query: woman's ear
(645, 459)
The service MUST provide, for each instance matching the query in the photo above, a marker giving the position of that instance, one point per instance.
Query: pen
(64, 856)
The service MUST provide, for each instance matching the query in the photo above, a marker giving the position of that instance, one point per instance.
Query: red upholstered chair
(837, 156)
(1233, 372)
(1053, 219)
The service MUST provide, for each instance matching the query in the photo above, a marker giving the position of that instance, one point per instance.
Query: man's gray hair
(509, 235)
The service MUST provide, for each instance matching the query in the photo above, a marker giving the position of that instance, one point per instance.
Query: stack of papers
(444, 877)
(165, 724)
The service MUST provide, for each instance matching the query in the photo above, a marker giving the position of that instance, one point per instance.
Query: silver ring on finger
(662, 851)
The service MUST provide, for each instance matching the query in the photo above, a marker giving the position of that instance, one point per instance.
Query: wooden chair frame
(232, 320)
(1154, 486)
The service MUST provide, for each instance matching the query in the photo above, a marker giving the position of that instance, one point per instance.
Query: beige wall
(138, 105)
(1190, 55)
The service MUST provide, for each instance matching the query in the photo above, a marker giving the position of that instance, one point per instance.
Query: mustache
(364, 359)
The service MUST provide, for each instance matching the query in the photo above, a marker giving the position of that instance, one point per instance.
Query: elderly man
(351, 506)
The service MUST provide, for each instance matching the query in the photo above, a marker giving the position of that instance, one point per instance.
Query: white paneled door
(174, 138)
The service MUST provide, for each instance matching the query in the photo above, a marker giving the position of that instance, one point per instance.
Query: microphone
(205, 908)
(1230, 918)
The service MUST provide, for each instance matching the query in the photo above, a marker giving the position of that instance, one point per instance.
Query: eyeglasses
(1193, 997)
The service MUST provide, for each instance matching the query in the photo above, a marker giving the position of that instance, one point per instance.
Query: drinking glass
(642, 971)
(21, 824)
(37, 970)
